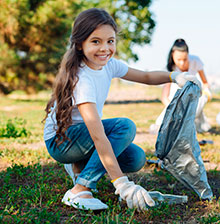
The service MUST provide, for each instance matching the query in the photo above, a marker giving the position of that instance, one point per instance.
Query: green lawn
(32, 183)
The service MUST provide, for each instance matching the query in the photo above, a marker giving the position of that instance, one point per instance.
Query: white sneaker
(83, 203)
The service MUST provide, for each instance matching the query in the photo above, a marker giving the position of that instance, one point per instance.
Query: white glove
(135, 195)
(181, 78)
(206, 91)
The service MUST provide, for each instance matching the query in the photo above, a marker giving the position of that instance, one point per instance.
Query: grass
(32, 184)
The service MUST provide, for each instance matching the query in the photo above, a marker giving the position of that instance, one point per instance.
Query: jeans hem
(86, 183)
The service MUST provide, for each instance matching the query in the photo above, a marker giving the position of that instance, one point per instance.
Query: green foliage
(32, 194)
(34, 35)
(33, 38)
(13, 128)
(212, 218)
(25, 200)
(18, 182)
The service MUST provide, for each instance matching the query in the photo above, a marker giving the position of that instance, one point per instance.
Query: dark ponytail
(179, 45)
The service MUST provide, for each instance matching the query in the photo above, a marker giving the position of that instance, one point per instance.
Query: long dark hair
(179, 45)
(67, 76)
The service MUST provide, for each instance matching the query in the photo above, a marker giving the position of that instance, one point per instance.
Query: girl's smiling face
(99, 47)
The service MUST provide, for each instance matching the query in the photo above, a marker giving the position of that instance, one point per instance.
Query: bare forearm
(102, 144)
(203, 78)
(157, 77)
(107, 157)
(150, 78)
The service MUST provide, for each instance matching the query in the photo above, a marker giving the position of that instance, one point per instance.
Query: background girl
(180, 60)
(74, 132)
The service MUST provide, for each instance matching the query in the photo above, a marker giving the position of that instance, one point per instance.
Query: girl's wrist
(112, 181)
(173, 75)
(170, 76)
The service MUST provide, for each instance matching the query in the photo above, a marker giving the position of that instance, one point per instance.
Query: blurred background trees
(34, 35)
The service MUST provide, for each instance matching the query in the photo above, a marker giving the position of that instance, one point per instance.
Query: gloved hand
(181, 78)
(206, 91)
(135, 195)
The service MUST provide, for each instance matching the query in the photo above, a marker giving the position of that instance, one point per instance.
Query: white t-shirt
(93, 86)
(195, 65)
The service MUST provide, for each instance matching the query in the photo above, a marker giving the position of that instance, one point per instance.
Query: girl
(180, 60)
(74, 132)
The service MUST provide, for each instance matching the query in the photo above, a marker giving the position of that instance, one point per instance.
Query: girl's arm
(150, 78)
(91, 118)
(206, 89)
(135, 195)
(165, 94)
(160, 77)
(203, 78)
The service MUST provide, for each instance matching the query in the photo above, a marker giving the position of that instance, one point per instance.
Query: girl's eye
(111, 41)
(95, 41)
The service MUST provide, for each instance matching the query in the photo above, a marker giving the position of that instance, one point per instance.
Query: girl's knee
(141, 160)
(133, 159)
(128, 125)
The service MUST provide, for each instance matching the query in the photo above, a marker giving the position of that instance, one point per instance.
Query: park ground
(32, 183)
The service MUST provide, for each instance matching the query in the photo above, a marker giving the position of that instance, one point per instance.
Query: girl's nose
(104, 47)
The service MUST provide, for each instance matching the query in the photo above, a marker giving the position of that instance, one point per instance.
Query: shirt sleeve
(118, 68)
(198, 63)
(85, 91)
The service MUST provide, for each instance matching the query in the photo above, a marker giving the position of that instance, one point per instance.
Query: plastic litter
(168, 198)
(204, 142)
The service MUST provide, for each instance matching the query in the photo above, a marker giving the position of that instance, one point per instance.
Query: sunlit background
(196, 21)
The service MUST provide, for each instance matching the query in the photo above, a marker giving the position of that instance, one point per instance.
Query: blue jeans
(119, 131)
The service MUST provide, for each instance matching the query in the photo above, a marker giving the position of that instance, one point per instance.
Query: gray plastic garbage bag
(201, 121)
(177, 145)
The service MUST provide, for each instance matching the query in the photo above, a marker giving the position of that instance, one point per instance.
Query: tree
(33, 38)
(34, 35)
(135, 22)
